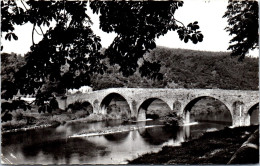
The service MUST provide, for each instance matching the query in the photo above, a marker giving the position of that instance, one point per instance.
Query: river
(53, 146)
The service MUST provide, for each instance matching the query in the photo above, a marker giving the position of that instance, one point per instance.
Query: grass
(212, 148)
(32, 119)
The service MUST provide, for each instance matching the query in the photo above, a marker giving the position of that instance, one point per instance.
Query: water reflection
(220, 118)
(119, 137)
(157, 135)
(58, 151)
(52, 146)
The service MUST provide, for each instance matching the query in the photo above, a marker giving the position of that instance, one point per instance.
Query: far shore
(90, 119)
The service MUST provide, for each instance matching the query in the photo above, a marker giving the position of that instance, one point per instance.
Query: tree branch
(37, 32)
(33, 33)
(41, 30)
(175, 19)
(34, 25)
(179, 22)
(24, 5)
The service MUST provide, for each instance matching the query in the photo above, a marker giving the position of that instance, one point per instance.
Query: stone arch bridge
(240, 103)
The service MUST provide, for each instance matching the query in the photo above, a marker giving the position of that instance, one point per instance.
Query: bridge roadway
(240, 103)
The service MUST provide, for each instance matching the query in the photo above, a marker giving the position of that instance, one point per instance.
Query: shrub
(30, 120)
(6, 117)
(172, 120)
(81, 114)
(124, 115)
(152, 116)
(18, 116)
(80, 106)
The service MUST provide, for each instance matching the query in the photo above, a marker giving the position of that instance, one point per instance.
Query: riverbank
(212, 148)
(29, 120)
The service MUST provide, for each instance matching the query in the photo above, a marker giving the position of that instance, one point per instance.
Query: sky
(207, 12)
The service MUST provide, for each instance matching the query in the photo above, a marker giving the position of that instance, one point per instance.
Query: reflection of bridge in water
(153, 136)
(240, 103)
(156, 135)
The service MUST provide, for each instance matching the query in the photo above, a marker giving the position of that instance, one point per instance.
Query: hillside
(189, 69)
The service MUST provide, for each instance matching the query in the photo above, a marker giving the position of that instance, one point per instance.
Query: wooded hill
(182, 68)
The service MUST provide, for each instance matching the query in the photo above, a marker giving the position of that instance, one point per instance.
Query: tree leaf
(186, 39)
(14, 36)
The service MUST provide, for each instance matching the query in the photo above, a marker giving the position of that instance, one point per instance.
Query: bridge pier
(247, 120)
(243, 120)
(141, 115)
(133, 109)
(186, 117)
(186, 132)
(96, 107)
(62, 103)
(239, 114)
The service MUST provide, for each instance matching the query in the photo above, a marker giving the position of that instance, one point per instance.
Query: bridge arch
(253, 114)
(142, 109)
(88, 107)
(192, 102)
(122, 108)
(80, 109)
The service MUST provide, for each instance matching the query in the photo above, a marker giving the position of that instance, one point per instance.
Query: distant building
(83, 89)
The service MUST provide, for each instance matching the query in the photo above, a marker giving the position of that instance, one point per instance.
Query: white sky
(207, 12)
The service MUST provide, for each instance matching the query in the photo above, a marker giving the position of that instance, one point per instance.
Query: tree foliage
(10, 64)
(137, 24)
(69, 53)
(243, 26)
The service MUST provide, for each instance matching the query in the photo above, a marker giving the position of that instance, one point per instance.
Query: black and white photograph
(129, 82)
